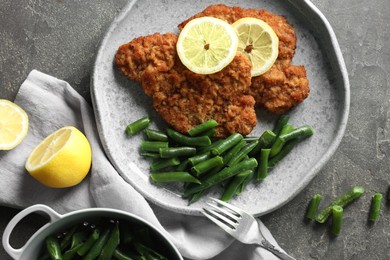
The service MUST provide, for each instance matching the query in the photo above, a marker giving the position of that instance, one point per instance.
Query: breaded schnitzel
(284, 85)
(185, 99)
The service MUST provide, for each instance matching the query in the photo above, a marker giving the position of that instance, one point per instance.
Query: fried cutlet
(185, 99)
(284, 85)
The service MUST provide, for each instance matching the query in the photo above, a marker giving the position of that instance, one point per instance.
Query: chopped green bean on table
(376, 205)
(337, 219)
(313, 206)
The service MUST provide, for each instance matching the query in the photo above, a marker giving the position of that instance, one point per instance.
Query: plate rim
(339, 63)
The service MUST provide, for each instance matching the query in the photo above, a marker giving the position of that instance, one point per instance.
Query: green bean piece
(155, 135)
(160, 177)
(282, 121)
(148, 253)
(152, 146)
(210, 133)
(164, 163)
(54, 248)
(341, 201)
(182, 167)
(376, 204)
(300, 132)
(89, 243)
(150, 155)
(138, 126)
(225, 174)
(279, 142)
(244, 183)
(262, 170)
(186, 140)
(121, 256)
(71, 253)
(65, 242)
(207, 165)
(286, 150)
(232, 152)
(111, 245)
(195, 197)
(208, 148)
(226, 144)
(170, 152)
(242, 153)
(313, 207)
(78, 238)
(204, 127)
(199, 158)
(234, 184)
(337, 219)
(97, 247)
(265, 141)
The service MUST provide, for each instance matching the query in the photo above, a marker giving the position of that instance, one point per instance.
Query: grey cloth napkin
(51, 104)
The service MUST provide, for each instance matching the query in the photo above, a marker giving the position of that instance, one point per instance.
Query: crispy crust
(185, 99)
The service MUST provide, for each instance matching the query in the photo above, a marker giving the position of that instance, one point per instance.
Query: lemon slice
(13, 124)
(206, 45)
(62, 159)
(258, 42)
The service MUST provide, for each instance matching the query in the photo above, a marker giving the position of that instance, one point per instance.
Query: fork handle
(268, 246)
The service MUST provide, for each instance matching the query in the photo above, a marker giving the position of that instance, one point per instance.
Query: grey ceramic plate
(119, 101)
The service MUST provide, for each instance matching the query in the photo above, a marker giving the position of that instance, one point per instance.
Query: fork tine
(210, 216)
(238, 212)
(220, 213)
(225, 212)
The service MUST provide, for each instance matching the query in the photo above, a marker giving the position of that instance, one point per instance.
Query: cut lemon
(258, 42)
(13, 124)
(207, 45)
(62, 159)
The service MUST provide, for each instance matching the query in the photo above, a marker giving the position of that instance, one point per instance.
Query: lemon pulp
(258, 41)
(13, 124)
(206, 45)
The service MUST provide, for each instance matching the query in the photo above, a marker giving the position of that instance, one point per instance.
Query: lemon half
(258, 41)
(206, 45)
(62, 159)
(13, 124)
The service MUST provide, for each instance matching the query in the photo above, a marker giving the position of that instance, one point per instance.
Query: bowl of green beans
(94, 233)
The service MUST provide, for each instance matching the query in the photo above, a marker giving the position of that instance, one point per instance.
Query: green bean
(78, 238)
(262, 170)
(265, 141)
(375, 207)
(148, 253)
(155, 135)
(206, 165)
(337, 219)
(111, 245)
(225, 174)
(121, 256)
(152, 146)
(242, 153)
(234, 184)
(210, 133)
(199, 158)
(227, 143)
(300, 132)
(282, 121)
(195, 197)
(54, 248)
(312, 210)
(341, 201)
(229, 155)
(98, 246)
(89, 243)
(170, 152)
(204, 127)
(208, 148)
(190, 141)
(286, 150)
(279, 142)
(150, 155)
(138, 126)
(182, 166)
(245, 183)
(164, 163)
(173, 177)
(68, 237)
(70, 254)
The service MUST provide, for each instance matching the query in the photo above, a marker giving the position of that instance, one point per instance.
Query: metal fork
(241, 225)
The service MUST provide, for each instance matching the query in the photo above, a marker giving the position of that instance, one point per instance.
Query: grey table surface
(61, 38)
